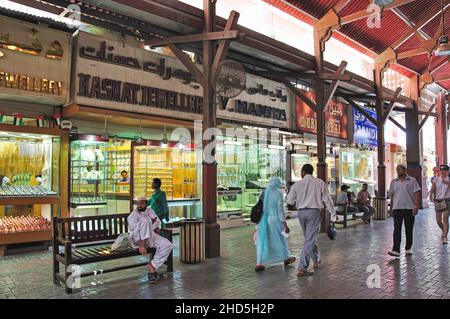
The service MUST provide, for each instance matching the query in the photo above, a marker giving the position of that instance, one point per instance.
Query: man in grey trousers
(309, 196)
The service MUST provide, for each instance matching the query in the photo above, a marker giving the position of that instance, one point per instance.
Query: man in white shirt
(144, 227)
(405, 199)
(309, 196)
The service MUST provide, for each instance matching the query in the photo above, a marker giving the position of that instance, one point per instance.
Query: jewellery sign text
(335, 117)
(34, 62)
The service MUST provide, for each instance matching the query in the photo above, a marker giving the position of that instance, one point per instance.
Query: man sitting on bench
(363, 202)
(144, 227)
(343, 202)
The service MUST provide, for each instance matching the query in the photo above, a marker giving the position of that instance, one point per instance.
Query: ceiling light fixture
(444, 48)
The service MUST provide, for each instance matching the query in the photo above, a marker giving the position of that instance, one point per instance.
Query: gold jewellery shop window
(29, 177)
(88, 175)
(173, 163)
(29, 165)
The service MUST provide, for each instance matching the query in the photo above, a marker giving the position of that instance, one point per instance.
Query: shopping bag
(122, 242)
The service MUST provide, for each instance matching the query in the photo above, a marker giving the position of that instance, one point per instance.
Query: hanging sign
(335, 117)
(365, 132)
(34, 62)
(263, 102)
(116, 73)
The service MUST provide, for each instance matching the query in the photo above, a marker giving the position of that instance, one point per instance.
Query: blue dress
(271, 245)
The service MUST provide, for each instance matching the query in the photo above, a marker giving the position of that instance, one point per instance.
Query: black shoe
(153, 277)
(394, 253)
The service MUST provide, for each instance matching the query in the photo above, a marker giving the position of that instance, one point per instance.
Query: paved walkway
(343, 273)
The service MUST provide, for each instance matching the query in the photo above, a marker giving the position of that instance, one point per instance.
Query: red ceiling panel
(359, 36)
(432, 27)
(445, 84)
(292, 10)
(417, 63)
(418, 10)
(437, 61)
(376, 39)
(402, 70)
(444, 71)
(412, 43)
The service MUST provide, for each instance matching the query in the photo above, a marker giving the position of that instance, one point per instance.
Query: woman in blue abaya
(271, 243)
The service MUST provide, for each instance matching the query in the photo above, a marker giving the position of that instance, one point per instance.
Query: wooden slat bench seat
(347, 216)
(71, 232)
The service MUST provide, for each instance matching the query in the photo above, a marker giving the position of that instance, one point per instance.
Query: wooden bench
(100, 231)
(346, 214)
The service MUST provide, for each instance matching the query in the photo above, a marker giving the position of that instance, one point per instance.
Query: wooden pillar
(441, 130)
(209, 187)
(320, 96)
(64, 209)
(381, 168)
(321, 35)
(413, 151)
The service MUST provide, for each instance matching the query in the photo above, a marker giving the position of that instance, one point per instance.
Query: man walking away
(309, 196)
(405, 199)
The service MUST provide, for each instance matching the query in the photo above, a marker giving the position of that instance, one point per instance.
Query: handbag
(257, 210)
(440, 205)
(332, 232)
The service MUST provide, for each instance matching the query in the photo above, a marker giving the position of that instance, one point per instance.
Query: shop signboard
(117, 73)
(365, 132)
(263, 102)
(336, 120)
(34, 63)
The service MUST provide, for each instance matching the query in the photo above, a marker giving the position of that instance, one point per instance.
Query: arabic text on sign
(104, 54)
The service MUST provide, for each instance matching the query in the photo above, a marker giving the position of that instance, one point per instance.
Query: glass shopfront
(244, 170)
(358, 166)
(29, 182)
(305, 154)
(106, 174)
(176, 165)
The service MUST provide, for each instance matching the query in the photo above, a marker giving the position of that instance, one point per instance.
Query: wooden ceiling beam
(365, 13)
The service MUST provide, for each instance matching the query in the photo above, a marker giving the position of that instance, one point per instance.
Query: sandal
(316, 265)
(290, 260)
(260, 268)
(304, 273)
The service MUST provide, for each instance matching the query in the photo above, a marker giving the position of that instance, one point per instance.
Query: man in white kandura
(144, 227)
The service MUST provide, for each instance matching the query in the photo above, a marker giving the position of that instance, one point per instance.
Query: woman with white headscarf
(271, 244)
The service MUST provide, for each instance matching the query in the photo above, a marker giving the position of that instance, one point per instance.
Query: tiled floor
(344, 272)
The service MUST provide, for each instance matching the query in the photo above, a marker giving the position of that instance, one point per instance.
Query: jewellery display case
(262, 162)
(358, 167)
(244, 170)
(299, 158)
(30, 163)
(88, 175)
(118, 160)
(230, 157)
(176, 166)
